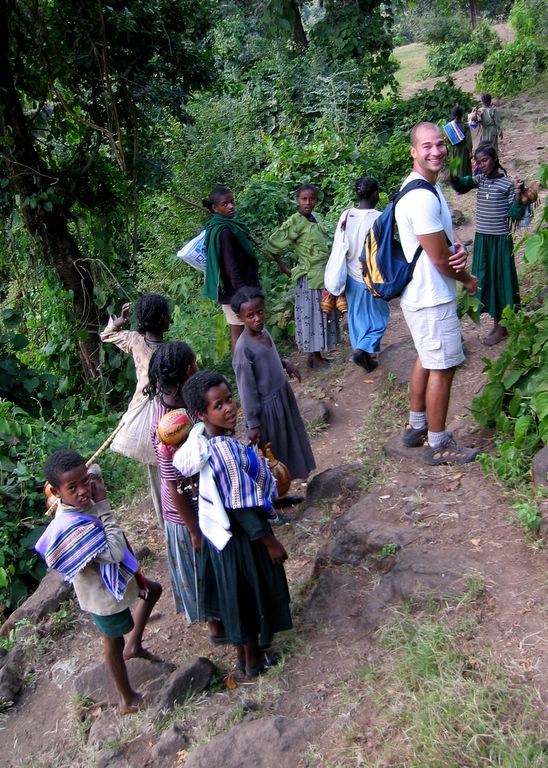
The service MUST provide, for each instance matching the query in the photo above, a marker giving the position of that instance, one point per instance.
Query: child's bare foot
(139, 652)
(496, 336)
(132, 704)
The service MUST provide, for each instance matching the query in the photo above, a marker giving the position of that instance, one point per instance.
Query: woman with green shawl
(231, 260)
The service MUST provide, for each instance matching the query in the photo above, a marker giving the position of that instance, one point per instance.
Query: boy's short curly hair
(195, 389)
(60, 462)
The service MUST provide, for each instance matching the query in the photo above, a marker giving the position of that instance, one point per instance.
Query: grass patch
(386, 415)
(444, 702)
(411, 58)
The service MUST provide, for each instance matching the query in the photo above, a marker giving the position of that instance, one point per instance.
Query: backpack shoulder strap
(415, 184)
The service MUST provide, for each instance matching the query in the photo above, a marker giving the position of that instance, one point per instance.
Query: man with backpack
(429, 302)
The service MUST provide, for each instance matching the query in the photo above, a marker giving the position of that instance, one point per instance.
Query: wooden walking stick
(102, 448)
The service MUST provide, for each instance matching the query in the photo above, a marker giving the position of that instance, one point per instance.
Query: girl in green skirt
(493, 264)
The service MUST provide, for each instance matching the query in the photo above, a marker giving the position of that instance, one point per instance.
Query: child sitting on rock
(84, 543)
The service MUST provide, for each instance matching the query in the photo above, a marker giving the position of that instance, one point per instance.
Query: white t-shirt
(420, 212)
(358, 224)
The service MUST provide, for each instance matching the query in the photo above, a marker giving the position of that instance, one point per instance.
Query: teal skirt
(493, 264)
(244, 588)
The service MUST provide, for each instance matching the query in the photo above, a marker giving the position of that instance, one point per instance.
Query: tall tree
(81, 85)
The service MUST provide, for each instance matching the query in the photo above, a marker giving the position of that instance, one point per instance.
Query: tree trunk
(473, 13)
(30, 178)
(299, 35)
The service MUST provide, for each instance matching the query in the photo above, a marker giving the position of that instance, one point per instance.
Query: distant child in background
(271, 411)
(170, 367)
(498, 202)
(84, 543)
(244, 578)
(231, 259)
(133, 440)
(488, 120)
(459, 143)
(367, 316)
(305, 235)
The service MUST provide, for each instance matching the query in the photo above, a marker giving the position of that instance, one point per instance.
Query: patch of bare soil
(464, 78)
(438, 510)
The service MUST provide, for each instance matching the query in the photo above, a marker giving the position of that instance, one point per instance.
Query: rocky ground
(382, 541)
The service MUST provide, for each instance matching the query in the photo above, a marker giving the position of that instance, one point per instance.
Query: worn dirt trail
(444, 509)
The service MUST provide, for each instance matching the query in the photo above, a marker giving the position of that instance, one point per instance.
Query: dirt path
(445, 509)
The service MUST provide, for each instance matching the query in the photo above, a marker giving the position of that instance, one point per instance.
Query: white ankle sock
(435, 439)
(417, 419)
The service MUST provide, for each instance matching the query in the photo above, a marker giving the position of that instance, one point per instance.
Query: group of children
(216, 495)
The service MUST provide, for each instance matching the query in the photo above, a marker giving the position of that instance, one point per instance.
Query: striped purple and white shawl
(73, 540)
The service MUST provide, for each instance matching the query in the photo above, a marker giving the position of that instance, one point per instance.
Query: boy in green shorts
(86, 545)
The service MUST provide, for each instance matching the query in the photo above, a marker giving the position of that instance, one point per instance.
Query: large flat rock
(272, 742)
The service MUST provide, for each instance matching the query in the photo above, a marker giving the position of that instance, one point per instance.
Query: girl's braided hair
(167, 368)
(366, 186)
(195, 389)
(151, 311)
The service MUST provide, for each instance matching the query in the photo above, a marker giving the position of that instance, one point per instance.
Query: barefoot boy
(85, 544)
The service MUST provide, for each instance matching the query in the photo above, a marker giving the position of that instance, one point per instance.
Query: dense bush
(435, 28)
(390, 116)
(530, 20)
(512, 69)
(25, 443)
(448, 57)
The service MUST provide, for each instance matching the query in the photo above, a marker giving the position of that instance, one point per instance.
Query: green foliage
(25, 443)
(515, 398)
(389, 115)
(536, 244)
(446, 57)
(435, 28)
(530, 20)
(512, 69)
(387, 551)
(528, 516)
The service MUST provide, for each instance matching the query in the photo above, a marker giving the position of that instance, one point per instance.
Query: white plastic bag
(336, 269)
(194, 252)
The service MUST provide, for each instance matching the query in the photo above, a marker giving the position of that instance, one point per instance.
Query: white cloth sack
(134, 439)
(336, 270)
(194, 252)
(190, 458)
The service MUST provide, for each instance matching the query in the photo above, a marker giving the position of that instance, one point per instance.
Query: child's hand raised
(96, 484)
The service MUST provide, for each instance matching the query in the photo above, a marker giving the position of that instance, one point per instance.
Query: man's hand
(459, 259)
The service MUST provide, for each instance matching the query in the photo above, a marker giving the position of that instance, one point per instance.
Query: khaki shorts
(230, 316)
(437, 336)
